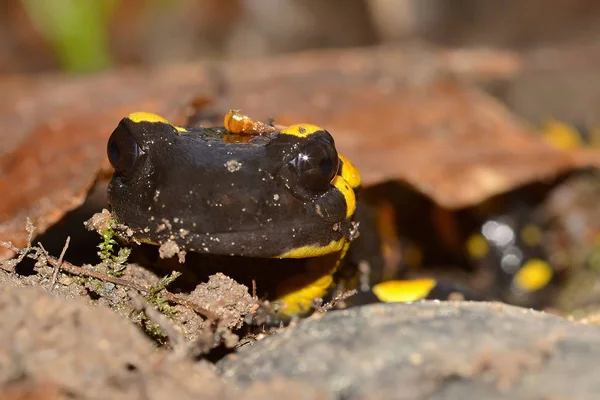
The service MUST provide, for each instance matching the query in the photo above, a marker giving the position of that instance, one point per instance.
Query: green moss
(93, 285)
(153, 330)
(116, 263)
(155, 297)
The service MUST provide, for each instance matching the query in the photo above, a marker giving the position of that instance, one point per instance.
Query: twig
(340, 297)
(43, 249)
(176, 338)
(79, 271)
(58, 265)
(9, 265)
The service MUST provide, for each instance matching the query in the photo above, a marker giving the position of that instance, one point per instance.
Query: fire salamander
(276, 208)
(276, 204)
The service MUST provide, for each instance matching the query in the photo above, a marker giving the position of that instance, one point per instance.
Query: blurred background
(79, 36)
(540, 57)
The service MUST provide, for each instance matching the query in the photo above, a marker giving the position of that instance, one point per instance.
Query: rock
(433, 350)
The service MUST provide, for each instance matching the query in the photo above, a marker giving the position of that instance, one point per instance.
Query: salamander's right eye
(122, 150)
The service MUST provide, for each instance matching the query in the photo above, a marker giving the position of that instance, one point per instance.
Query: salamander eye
(122, 150)
(317, 164)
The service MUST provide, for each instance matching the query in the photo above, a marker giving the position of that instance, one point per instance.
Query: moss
(96, 284)
(155, 297)
(153, 330)
(116, 263)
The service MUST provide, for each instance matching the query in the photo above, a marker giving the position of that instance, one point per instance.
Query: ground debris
(10, 264)
(191, 324)
(228, 301)
(58, 349)
(64, 343)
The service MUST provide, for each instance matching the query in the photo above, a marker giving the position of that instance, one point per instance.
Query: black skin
(217, 193)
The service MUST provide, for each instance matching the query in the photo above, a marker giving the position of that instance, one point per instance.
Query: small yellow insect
(242, 125)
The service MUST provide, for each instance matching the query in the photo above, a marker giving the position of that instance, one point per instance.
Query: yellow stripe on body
(477, 246)
(314, 250)
(300, 301)
(349, 172)
(343, 186)
(534, 275)
(402, 291)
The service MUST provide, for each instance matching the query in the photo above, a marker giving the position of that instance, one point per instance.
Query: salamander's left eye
(317, 164)
(122, 150)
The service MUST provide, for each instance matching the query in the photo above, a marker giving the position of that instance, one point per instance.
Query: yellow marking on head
(314, 250)
(146, 117)
(531, 235)
(561, 135)
(349, 172)
(299, 302)
(343, 186)
(141, 116)
(413, 256)
(477, 247)
(400, 291)
(534, 275)
(301, 130)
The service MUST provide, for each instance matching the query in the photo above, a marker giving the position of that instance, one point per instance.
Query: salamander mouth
(306, 241)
